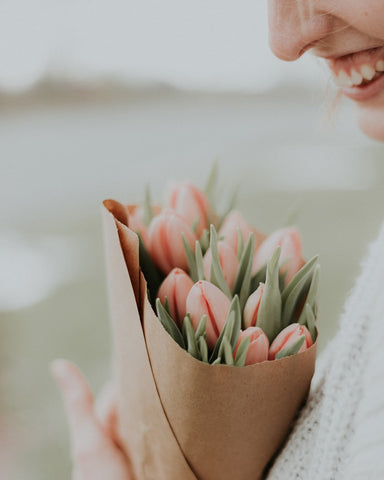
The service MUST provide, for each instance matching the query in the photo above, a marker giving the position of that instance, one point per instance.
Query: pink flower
(192, 204)
(287, 337)
(175, 288)
(258, 347)
(165, 243)
(136, 222)
(234, 221)
(206, 299)
(291, 258)
(228, 261)
(251, 308)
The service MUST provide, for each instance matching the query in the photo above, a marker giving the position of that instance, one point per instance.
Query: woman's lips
(359, 75)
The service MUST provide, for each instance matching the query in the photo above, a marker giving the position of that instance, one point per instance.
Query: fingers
(94, 454)
(106, 410)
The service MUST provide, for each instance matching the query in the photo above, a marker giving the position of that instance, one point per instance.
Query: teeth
(368, 72)
(380, 66)
(357, 78)
(343, 79)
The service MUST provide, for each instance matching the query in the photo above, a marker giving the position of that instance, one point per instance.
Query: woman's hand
(95, 451)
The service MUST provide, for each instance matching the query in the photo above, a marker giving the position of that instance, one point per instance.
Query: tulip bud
(192, 204)
(234, 221)
(137, 225)
(165, 242)
(175, 288)
(228, 261)
(258, 347)
(206, 299)
(251, 308)
(291, 259)
(287, 337)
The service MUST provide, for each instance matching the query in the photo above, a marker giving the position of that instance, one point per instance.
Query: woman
(339, 433)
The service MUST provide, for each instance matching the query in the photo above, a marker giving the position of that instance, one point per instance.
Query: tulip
(176, 288)
(287, 337)
(228, 261)
(291, 258)
(205, 298)
(251, 308)
(165, 243)
(258, 346)
(136, 220)
(192, 204)
(234, 221)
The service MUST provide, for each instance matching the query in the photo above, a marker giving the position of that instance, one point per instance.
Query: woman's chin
(371, 120)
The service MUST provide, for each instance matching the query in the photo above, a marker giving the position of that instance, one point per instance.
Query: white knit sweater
(340, 432)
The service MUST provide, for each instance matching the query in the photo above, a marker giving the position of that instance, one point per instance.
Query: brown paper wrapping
(181, 419)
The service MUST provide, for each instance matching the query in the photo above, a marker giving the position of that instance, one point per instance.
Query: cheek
(371, 118)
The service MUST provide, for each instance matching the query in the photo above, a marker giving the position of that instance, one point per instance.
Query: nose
(295, 26)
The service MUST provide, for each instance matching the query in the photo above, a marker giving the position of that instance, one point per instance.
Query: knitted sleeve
(340, 432)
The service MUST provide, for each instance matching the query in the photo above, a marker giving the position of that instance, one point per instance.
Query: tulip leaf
(203, 348)
(295, 299)
(166, 306)
(258, 278)
(310, 320)
(246, 285)
(199, 261)
(149, 269)
(204, 241)
(269, 315)
(298, 276)
(191, 259)
(192, 347)
(217, 361)
(292, 349)
(195, 224)
(227, 352)
(241, 353)
(217, 276)
(245, 266)
(169, 324)
(228, 326)
(312, 293)
(201, 327)
(147, 210)
(240, 244)
(211, 182)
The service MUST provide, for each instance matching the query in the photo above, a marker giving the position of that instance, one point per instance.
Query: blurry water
(60, 157)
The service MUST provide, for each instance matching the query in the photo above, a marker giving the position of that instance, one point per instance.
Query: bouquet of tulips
(226, 296)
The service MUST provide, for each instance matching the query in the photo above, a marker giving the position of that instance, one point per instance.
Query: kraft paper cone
(179, 418)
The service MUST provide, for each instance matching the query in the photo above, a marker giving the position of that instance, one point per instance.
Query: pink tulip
(258, 347)
(192, 204)
(165, 243)
(251, 308)
(136, 222)
(206, 299)
(287, 337)
(176, 288)
(291, 258)
(228, 261)
(234, 221)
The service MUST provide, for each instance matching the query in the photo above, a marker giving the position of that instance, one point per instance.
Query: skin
(330, 29)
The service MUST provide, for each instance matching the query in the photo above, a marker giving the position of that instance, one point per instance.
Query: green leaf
(203, 348)
(169, 324)
(147, 210)
(166, 306)
(217, 276)
(211, 182)
(228, 326)
(195, 224)
(149, 269)
(217, 361)
(245, 264)
(192, 347)
(269, 315)
(201, 327)
(191, 260)
(292, 349)
(246, 285)
(240, 244)
(310, 321)
(312, 293)
(204, 241)
(241, 353)
(199, 261)
(298, 276)
(259, 277)
(227, 352)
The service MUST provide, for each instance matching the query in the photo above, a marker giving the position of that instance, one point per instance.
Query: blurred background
(98, 99)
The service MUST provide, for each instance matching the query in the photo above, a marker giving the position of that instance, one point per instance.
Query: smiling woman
(349, 34)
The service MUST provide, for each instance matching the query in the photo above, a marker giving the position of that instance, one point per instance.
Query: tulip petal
(269, 315)
(169, 324)
(147, 208)
(241, 353)
(292, 349)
